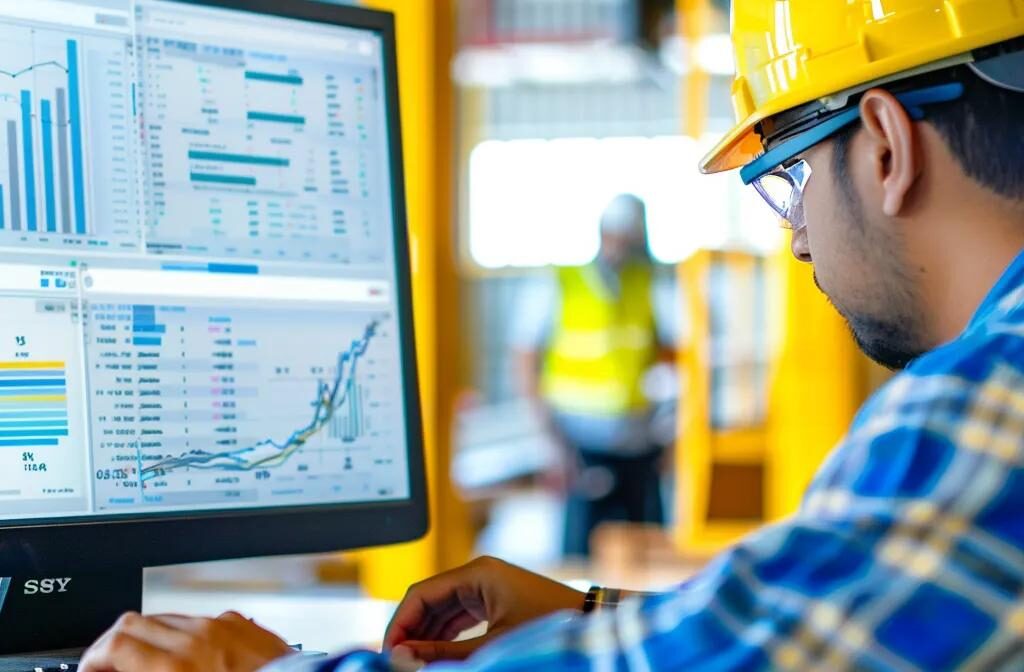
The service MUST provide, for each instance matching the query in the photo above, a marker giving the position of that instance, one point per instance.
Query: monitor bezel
(147, 540)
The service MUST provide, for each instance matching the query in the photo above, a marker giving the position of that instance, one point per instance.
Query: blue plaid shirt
(908, 553)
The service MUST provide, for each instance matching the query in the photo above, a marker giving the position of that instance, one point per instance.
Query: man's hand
(230, 643)
(437, 610)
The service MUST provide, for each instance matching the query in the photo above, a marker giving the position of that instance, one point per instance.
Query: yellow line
(31, 365)
(37, 397)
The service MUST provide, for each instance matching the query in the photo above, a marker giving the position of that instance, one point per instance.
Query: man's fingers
(424, 604)
(456, 626)
(431, 652)
(163, 632)
(121, 652)
(424, 601)
(437, 621)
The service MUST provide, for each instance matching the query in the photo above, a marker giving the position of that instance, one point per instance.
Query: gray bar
(62, 149)
(13, 166)
(14, 509)
(112, 20)
(206, 497)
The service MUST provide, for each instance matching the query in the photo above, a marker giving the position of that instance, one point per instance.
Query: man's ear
(892, 143)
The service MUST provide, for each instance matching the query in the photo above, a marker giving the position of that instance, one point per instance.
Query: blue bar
(149, 328)
(29, 160)
(147, 341)
(294, 80)
(33, 415)
(29, 443)
(75, 96)
(247, 159)
(46, 116)
(2, 218)
(224, 179)
(33, 391)
(144, 314)
(34, 382)
(199, 268)
(236, 269)
(22, 406)
(30, 433)
(35, 424)
(278, 118)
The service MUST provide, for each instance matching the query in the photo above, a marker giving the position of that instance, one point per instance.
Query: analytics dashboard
(198, 263)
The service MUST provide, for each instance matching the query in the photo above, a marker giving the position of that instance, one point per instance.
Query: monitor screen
(200, 282)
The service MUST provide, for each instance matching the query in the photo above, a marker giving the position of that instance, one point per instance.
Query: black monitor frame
(109, 553)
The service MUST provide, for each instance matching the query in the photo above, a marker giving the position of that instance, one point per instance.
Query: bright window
(538, 202)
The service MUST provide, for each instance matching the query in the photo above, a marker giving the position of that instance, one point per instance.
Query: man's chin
(882, 342)
(884, 355)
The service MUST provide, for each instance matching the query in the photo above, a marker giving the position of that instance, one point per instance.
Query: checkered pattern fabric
(908, 553)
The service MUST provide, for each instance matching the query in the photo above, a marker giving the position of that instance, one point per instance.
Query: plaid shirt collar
(1005, 295)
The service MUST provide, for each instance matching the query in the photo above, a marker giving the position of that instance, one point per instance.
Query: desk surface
(319, 619)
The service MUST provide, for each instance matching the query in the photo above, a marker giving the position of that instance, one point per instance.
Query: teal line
(34, 424)
(270, 77)
(224, 179)
(6, 415)
(278, 118)
(32, 433)
(239, 158)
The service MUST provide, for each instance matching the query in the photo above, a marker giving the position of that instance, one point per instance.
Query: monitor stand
(56, 613)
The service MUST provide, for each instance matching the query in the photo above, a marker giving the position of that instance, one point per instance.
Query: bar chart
(280, 158)
(33, 404)
(65, 126)
(41, 405)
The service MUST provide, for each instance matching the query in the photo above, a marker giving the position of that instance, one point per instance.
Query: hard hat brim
(741, 146)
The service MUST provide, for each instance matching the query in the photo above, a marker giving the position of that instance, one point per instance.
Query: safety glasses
(781, 178)
(783, 190)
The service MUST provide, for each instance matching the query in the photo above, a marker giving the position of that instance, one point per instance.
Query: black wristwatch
(590, 602)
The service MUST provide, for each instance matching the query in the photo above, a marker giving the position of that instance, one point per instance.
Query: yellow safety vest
(602, 343)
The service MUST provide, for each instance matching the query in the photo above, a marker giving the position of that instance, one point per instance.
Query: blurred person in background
(584, 341)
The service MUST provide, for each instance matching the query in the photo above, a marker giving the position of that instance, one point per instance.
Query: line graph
(35, 66)
(331, 398)
(207, 405)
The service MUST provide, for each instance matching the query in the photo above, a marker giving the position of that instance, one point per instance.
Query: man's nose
(798, 244)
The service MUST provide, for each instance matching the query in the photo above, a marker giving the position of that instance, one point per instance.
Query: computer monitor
(206, 343)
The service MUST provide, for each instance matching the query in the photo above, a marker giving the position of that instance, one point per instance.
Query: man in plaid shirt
(908, 552)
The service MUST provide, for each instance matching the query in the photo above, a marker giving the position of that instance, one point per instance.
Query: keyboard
(41, 663)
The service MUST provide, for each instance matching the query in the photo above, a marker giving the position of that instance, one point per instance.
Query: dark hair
(984, 130)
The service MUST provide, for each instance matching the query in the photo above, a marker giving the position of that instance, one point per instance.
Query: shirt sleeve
(908, 553)
(669, 312)
(534, 319)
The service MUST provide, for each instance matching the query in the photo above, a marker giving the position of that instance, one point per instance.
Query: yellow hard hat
(793, 52)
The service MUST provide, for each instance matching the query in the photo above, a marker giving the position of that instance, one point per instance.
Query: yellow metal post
(820, 379)
(737, 454)
(694, 24)
(424, 29)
